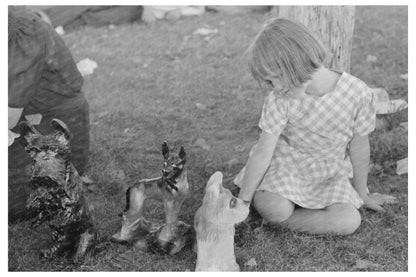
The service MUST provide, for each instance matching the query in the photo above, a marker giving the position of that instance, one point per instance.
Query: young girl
(315, 124)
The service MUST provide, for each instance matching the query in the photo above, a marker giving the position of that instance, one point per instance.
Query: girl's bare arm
(257, 165)
(360, 158)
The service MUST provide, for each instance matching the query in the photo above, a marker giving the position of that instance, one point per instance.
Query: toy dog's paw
(48, 254)
(174, 237)
(141, 245)
(132, 231)
(88, 240)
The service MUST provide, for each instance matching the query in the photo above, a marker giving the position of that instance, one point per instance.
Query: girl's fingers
(374, 207)
(375, 200)
(383, 198)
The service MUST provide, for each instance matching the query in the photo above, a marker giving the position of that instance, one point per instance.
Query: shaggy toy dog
(214, 226)
(172, 188)
(57, 192)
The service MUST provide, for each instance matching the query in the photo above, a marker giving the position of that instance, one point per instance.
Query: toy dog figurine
(214, 226)
(57, 192)
(172, 187)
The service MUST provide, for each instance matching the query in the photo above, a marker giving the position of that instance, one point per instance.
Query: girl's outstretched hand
(374, 201)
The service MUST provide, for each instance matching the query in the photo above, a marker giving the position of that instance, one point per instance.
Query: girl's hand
(257, 164)
(374, 201)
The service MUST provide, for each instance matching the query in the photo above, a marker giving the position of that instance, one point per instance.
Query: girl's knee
(346, 218)
(272, 207)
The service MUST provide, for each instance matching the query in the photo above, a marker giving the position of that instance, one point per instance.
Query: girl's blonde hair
(287, 50)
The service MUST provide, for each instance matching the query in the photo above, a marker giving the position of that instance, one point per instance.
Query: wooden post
(334, 25)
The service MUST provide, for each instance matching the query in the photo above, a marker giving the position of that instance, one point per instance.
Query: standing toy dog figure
(214, 226)
(57, 192)
(172, 187)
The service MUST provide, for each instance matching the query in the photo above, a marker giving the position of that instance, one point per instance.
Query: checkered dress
(310, 165)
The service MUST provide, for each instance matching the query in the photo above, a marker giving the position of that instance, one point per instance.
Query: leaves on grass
(383, 107)
(87, 180)
(365, 265)
(200, 142)
(383, 103)
(403, 76)
(205, 31)
(86, 66)
(200, 106)
(375, 167)
(60, 30)
(119, 175)
(371, 58)
(34, 119)
(103, 114)
(404, 125)
(232, 162)
(383, 123)
(391, 106)
(251, 263)
(89, 185)
(239, 148)
(402, 166)
(152, 13)
(380, 95)
(388, 167)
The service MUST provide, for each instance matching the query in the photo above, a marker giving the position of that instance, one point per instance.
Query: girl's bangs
(261, 67)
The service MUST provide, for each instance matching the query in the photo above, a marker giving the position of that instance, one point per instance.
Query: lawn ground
(145, 90)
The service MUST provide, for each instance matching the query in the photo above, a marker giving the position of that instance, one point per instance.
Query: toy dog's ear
(214, 184)
(27, 131)
(182, 155)
(62, 130)
(165, 150)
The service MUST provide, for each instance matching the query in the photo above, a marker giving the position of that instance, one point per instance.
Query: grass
(144, 91)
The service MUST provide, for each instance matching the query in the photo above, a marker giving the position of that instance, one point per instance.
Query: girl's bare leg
(340, 219)
(273, 207)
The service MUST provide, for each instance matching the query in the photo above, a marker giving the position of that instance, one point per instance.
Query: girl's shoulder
(352, 83)
(354, 89)
(280, 96)
(278, 102)
(277, 98)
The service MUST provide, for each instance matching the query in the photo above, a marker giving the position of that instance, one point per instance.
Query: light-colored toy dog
(214, 226)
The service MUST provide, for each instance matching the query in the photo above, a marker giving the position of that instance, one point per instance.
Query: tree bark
(334, 25)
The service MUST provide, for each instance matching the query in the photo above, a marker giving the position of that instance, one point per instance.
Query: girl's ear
(214, 184)
(165, 150)
(62, 130)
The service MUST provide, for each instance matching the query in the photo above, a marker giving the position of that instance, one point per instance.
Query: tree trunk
(334, 25)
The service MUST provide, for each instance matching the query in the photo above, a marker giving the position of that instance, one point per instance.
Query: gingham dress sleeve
(365, 120)
(274, 115)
